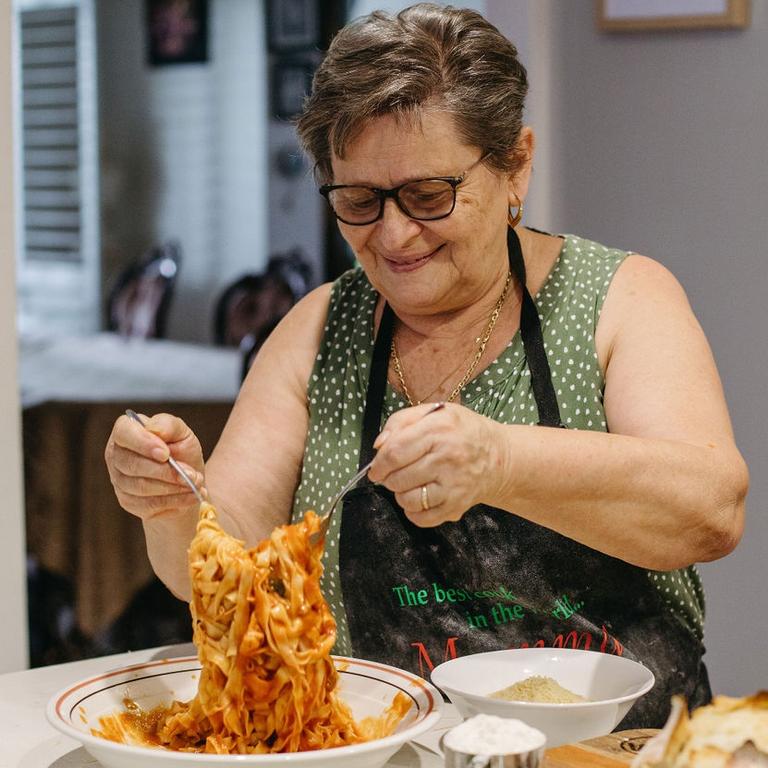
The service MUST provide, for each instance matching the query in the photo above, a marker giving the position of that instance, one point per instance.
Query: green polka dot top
(569, 305)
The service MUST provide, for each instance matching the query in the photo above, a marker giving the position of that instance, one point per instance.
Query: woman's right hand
(137, 459)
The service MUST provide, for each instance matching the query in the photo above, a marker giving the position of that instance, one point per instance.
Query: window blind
(51, 196)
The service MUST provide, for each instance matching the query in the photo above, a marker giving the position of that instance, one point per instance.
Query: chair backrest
(138, 303)
(249, 308)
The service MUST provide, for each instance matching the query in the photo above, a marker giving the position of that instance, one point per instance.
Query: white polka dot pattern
(569, 305)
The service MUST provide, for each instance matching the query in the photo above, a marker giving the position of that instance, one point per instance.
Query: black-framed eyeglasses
(422, 199)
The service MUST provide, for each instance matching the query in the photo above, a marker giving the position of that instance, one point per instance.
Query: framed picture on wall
(640, 15)
(177, 31)
(293, 25)
(291, 82)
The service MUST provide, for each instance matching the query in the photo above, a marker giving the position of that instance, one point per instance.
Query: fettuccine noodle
(264, 634)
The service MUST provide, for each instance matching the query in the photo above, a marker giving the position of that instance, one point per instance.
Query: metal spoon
(325, 520)
(131, 414)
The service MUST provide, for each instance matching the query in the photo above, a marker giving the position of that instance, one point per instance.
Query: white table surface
(28, 741)
(104, 366)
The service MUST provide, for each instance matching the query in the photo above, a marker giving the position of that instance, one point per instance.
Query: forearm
(658, 504)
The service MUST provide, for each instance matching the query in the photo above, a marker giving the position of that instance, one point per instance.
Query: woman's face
(428, 267)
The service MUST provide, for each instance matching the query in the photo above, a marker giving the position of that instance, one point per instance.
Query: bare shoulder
(643, 295)
(646, 278)
(661, 379)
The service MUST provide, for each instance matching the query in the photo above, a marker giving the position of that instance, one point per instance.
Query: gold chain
(482, 341)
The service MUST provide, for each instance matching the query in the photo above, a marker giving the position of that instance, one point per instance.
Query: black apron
(415, 597)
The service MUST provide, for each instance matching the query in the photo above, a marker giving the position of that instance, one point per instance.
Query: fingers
(156, 437)
(137, 460)
(132, 436)
(145, 487)
(146, 477)
(406, 438)
(175, 433)
(404, 418)
(430, 508)
(437, 464)
(148, 507)
(421, 499)
(405, 459)
(159, 437)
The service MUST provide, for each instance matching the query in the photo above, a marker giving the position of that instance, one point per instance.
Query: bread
(728, 733)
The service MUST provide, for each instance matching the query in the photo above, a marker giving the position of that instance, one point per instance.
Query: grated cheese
(538, 689)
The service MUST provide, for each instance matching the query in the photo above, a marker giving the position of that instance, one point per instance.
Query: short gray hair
(427, 56)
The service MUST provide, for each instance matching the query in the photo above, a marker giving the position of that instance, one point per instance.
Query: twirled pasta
(264, 634)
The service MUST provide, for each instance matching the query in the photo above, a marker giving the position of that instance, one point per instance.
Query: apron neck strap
(533, 344)
(533, 341)
(377, 385)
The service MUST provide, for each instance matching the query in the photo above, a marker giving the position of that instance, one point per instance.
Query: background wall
(13, 641)
(184, 153)
(656, 144)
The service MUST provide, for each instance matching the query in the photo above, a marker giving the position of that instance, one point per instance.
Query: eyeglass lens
(425, 199)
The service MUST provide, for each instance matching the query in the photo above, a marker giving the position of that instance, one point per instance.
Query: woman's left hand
(450, 453)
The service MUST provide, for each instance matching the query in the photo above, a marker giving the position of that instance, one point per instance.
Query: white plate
(367, 687)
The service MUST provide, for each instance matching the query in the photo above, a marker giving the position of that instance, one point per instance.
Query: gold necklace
(481, 341)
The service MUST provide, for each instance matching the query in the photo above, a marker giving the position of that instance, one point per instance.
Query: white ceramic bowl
(367, 687)
(611, 683)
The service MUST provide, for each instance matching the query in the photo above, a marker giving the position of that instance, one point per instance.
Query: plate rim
(430, 718)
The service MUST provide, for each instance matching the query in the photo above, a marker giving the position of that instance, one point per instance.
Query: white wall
(184, 153)
(296, 219)
(656, 143)
(13, 638)
(528, 24)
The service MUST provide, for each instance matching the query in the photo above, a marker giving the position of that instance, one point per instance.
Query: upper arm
(660, 376)
(254, 470)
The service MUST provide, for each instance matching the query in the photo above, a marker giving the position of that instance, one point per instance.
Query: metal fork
(131, 414)
(325, 520)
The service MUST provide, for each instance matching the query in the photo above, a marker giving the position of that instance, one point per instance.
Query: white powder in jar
(492, 735)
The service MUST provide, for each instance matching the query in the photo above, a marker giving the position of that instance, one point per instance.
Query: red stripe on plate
(121, 671)
(394, 671)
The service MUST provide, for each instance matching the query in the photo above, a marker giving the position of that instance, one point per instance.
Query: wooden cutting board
(616, 750)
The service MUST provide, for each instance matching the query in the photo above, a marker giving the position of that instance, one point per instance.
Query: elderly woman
(584, 458)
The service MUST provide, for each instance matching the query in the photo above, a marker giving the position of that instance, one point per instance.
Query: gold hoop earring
(513, 221)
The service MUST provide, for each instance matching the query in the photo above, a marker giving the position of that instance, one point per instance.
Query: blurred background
(158, 218)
